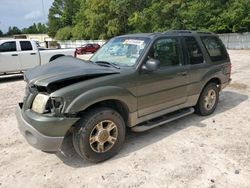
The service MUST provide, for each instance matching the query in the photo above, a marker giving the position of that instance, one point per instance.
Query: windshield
(122, 51)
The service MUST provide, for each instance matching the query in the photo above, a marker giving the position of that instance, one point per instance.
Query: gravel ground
(194, 151)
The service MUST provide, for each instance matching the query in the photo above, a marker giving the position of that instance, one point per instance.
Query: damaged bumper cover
(42, 132)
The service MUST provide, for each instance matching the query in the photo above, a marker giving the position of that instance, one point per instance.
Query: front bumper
(29, 124)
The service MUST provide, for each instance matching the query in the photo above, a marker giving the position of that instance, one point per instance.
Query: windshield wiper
(105, 63)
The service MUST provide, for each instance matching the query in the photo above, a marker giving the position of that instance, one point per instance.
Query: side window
(215, 48)
(194, 52)
(8, 47)
(25, 45)
(167, 51)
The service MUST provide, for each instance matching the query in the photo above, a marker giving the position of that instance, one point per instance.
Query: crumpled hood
(65, 69)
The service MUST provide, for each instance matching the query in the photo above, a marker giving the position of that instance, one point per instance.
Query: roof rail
(178, 31)
(205, 32)
(188, 31)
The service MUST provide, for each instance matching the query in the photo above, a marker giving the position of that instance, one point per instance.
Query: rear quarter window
(215, 48)
(194, 52)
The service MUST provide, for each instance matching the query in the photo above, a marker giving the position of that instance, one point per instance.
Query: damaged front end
(43, 81)
(38, 100)
(41, 118)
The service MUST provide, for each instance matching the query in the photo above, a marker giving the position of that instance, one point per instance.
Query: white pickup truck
(18, 55)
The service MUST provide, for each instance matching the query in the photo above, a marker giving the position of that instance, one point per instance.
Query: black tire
(85, 127)
(202, 108)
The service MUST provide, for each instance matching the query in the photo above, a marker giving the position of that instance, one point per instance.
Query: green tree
(64, 33)
(206, 15)
(54, 17)
(31, 29)
(120, 13)
(69, 11)
(236, 18)
(80, 22)
(1, 33)
(35, 29)
(13, 31)
(41, 28)
(103, 19)
(61, 14)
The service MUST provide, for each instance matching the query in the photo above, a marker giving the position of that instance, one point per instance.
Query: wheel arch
(55, 57)
(215, 80)
(115, 104)
(114, 97)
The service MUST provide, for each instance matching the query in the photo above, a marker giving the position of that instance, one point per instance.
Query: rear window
(25, 45)
(215, 48)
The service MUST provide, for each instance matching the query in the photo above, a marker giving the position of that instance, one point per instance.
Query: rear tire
(99, 135)
(208, 100)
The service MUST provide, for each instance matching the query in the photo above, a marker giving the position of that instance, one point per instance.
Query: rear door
(9, 59)
(29, 55)
(166, 87)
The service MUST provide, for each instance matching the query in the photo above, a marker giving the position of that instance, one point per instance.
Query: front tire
(208, 100)
(99, 135)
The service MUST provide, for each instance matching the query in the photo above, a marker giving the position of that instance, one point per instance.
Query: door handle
(32, 53)
(182, 73)
(14, 54)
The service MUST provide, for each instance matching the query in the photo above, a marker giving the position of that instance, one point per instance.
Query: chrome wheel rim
(103, 136)
(210, 99)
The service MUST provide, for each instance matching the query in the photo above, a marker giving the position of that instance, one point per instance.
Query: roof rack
(188, 31)
(178, 31)
(205, 32)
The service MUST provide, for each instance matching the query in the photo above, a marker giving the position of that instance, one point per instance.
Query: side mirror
(151, 65)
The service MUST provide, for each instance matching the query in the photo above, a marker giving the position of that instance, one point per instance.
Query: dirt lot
(192, 152)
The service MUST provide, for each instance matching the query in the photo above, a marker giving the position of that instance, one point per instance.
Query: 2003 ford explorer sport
(154, 78)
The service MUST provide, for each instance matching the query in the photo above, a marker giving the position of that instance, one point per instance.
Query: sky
(23, 13)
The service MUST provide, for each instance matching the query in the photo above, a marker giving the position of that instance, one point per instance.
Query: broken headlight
(39, 103)
(43, 104)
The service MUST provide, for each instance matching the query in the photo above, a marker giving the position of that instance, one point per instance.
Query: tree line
(36, 28)
(103, 19)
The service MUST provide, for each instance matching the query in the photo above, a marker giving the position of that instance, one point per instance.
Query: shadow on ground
(137, 141)
(11, 78)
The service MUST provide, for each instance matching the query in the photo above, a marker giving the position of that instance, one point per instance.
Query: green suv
(138, 81)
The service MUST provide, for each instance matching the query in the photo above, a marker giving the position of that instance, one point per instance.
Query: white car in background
(18, 55)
